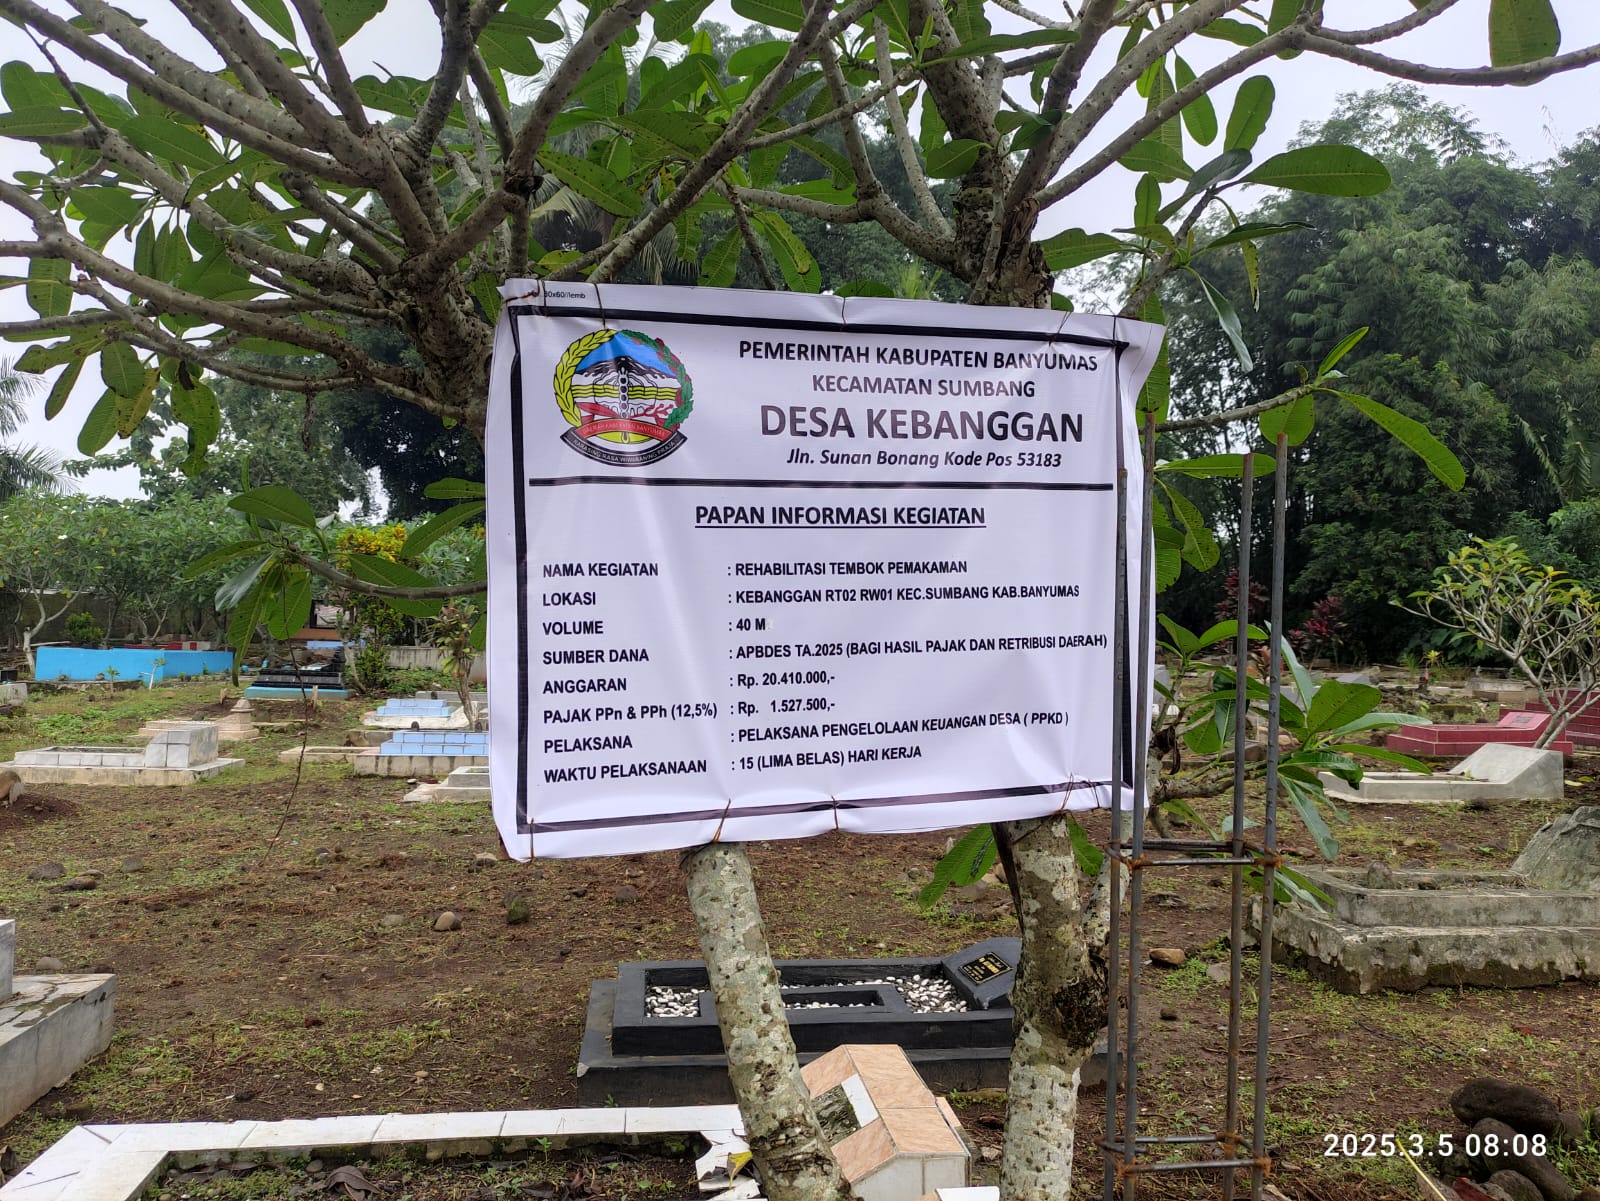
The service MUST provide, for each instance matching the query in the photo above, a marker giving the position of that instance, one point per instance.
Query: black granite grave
(328, 676)
(630, 1057)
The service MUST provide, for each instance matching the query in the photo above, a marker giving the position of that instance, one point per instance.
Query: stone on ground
(1564, 855)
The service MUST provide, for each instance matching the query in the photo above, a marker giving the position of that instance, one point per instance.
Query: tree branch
(1531, 72)
(815, 31)
(345, 580)
(1153, 119)
(1382, 33)
(1243, 413)
(329, 57)
(458, 38)
(902, 135)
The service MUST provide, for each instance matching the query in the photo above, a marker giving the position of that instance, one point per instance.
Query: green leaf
(25, 88)
(721, 262)
(593, 182)
(110, 206)
(438, 525)
(510, 51)
(669, 132)
(40, 122)
(1146, 201)
(198, 409)
(121, 370)
(1522, 31)
(131, 409)
(1075, 247)
(1225, 166)
(63, 386)
(998, 43)
(963, 864)
(1250, 231)
(1185, 643)
(287, 608)
(1154, 157)
(1156, 395)
(276, 503)
(675, 18)
(800, 271)
(246, 616)
(1326, 170)
(1089, 857)
(1218, 466)
(376, 570)
(1226, 29)
(346, 17)
(452, 488)
(1199, 115)
(1415, 436)
(1304, 797)
(166, 139)
(1346, 345)
(1252, 107)
(212, 560)
(953, 159)
(1228, 319)
(1336, 703)
(275, 15)
(99, 425)
(778, 14)
(48, 292)
(1296, 420)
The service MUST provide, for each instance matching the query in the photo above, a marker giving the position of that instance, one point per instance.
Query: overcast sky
(1532, 121)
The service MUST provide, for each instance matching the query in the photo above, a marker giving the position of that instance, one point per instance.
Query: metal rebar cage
(1237, 1145)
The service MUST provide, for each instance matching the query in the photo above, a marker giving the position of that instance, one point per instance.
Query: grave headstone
(1564, 854)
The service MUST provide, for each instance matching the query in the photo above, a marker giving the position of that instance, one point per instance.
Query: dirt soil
(272, 936)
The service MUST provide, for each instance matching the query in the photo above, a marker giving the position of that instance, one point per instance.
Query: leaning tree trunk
(780, 1125)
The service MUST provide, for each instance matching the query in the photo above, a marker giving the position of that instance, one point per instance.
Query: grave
(1493, 772)
(326, 678)
(181, 753)
(50, 1026)
(239, 725)
(462, 784)
(894, 1140)
(13, 692)
(424, 753)
(1407, 930)
(1446, 741)
(652, 1033)
(1583, 729)
(416, 714)
(320, 754)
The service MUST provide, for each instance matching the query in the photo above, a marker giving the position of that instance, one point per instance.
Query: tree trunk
(781, 1127)
(1059, 998)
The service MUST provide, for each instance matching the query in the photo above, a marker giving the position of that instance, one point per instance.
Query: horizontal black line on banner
(827, 327)
(821, 805)
(720, 526)
(960, 486)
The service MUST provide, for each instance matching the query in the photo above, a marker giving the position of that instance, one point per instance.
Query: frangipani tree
(277, 199)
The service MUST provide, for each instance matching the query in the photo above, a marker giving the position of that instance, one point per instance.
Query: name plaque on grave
(771, 565)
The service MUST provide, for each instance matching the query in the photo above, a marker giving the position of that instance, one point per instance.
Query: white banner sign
(764, 565)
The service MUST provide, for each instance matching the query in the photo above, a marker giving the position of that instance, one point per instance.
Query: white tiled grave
(118, 1163)
(50, 1026)
(179, 753)
(462, 784)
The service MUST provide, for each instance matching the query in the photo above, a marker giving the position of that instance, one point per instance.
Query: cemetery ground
(274, 944)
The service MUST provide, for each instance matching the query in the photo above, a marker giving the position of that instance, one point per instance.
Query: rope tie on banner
(722, 821)
(833, 802)
(844, 303)
(605, 322)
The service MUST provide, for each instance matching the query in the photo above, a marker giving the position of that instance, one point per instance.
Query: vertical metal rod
(1141, 751)
(1241, 716)
(1120, 710)
(1269, 871)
